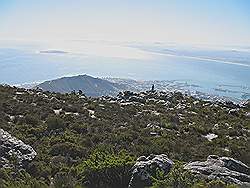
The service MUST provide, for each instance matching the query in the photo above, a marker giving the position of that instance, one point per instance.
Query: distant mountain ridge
(89, 85)
(108, 86)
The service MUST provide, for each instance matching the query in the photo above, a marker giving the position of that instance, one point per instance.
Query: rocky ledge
(145, 167)
(226, 169)
(13, 151)
(223, 168)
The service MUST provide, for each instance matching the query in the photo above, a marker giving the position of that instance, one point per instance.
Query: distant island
(53, 52)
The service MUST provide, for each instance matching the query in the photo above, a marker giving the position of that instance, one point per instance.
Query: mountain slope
(94, 142)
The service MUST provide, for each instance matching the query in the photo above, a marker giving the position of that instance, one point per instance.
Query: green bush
(67, 149)
(54, 122)
(178, 177)
(31, 119)
(106, 169)
(64, 180)
(213, 184)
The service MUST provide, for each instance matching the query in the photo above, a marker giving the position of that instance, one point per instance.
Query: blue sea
(222, 71)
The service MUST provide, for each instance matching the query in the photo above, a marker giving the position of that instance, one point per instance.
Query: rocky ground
(14, 151)
(214, 168)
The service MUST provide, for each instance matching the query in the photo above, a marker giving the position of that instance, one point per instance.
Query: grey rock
(125, 94)
(145, 167)
(137, 99)
(222, 168)
(13, 150)
(248, 114)
(234, 112)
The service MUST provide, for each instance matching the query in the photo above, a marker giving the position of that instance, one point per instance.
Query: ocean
(221, 71)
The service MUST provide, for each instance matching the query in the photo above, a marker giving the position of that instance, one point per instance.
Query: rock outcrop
(223, 168)
(13, 151)
(145, 167)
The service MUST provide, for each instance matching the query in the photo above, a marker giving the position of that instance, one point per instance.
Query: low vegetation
(94, 142)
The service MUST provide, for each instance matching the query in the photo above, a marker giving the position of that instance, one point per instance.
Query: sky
(217, 22)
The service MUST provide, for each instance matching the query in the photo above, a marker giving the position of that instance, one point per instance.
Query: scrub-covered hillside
(70, 140)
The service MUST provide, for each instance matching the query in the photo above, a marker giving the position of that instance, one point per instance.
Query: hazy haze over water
(211, 68)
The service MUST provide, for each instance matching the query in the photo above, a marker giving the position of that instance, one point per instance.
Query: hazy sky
(181, 21)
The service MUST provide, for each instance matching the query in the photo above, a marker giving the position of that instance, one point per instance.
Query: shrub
(67, 149)
(64, 180)
(106, 170)
(178, 177)
(31, 119)
(39, 169)
(55, 122)
(213, 184)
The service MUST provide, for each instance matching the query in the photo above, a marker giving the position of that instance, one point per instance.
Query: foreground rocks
(223, 168)
(13, 151)
(145, 167)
